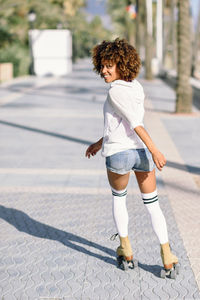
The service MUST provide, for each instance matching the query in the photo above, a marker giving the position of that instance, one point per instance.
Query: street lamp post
(31, 19)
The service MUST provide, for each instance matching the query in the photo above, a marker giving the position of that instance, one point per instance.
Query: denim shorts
(133, 159)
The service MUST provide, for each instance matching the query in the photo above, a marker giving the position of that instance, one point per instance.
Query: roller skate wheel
(135, 263)
(177, 269)
(122, 264)
(125, 265)
(119, 260)
(162, 273)
(130, 264)
(172, 274)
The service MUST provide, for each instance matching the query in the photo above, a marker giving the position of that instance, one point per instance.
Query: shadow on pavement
(154, 269)
(57, 135)
(66, 89)
(24, 223)
(68, 96)
(191, 169)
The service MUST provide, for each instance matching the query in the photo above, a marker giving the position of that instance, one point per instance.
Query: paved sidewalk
(56, 218)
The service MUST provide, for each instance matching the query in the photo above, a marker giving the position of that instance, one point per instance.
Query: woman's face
(109, 71)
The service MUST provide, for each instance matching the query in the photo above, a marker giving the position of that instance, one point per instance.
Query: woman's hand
(159, 159)
(94, 148)
(157, 156)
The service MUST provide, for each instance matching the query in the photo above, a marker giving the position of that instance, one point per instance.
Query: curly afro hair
(119, 52)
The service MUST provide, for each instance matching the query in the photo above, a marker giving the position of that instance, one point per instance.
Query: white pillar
(149, 17)
(159, 32)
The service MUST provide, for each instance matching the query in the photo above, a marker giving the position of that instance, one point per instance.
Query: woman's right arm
(157, 156)
(94, 148)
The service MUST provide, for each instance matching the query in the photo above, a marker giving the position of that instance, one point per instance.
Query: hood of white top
(124, 83)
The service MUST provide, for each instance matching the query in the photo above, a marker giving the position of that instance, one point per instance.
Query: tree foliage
(51, 14)
(124, 26)
(86, 34)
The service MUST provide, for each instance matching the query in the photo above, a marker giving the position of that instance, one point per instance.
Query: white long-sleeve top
(123, 111)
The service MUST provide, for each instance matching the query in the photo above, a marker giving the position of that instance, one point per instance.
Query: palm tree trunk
(137, 27)
(184, 89)
(196, 45)
(173, 34)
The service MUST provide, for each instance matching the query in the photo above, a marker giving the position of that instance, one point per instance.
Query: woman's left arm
(157, 156)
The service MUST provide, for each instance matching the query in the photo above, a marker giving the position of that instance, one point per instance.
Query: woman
(127, 146)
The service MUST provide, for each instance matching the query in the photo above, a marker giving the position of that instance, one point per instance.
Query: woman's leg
(147, 185)
(118, 185)
(117, 181)
(146, 181)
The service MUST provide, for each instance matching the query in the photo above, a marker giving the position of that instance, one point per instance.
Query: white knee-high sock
(120, 213)
(157, 217)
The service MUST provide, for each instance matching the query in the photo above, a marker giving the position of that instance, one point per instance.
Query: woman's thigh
(146, 181)
(118, 181)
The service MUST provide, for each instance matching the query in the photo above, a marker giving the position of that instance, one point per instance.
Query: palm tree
(170, 35)
(184, 89)
(173, 33)
(140, 25)
(137, 27)
(196, 45)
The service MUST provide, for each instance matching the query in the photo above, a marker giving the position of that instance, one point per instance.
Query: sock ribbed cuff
(149, 198)
(120, 193)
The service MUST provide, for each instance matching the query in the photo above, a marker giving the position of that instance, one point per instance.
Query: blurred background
(152, 26)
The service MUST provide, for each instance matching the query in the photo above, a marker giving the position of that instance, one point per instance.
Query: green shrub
(18, 56)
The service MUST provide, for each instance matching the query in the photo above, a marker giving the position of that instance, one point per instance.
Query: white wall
(52, 51)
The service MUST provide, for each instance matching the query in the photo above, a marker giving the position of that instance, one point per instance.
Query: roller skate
(125, 259)
(170, 262)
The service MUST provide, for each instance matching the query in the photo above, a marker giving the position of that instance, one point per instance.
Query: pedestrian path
(55, 209)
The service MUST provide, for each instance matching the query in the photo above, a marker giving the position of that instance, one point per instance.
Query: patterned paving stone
(47, 256)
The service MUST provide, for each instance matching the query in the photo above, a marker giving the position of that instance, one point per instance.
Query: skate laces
(113, 237)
